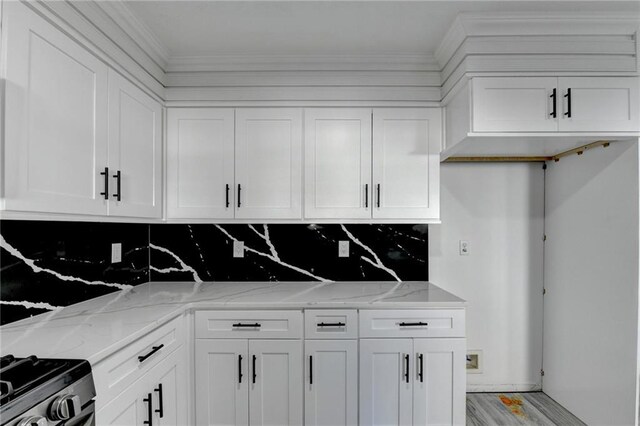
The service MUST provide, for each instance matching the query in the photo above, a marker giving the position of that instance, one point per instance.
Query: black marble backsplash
(46, 265)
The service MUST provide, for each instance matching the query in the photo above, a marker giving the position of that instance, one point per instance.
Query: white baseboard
(517, 387)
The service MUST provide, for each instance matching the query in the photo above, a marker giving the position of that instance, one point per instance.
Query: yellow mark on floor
(514, 405)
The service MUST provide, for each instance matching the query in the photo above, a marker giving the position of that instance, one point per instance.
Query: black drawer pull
(243, 325)
(106, 183)
(310, 369)
(239, 368)
(239, 192)
(254, 369)
(413, 324)
(378, 191)
(406, 368)
(160, 409)
(227, 195)
(366, 195)
(118, 177)
(568, 96)
(154, 349)
(553, 97)
(331, 324)
(149, 401)
(421, 372)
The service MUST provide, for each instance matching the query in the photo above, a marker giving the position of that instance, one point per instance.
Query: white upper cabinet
(594, 104)
(338, 163)
(268, 157)
(135, 151)
(200, 163)
(55, 119)
(406, 163)
(514, 104)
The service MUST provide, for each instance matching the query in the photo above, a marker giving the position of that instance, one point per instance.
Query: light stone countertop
(96, 328)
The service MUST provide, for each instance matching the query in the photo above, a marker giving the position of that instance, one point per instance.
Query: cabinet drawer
(412, 323)
(248, 324)
(330, 324)
(116, 373)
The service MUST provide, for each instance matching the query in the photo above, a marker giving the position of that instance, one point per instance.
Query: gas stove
(46, 392)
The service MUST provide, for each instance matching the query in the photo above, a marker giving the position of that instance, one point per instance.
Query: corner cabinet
(78, 137)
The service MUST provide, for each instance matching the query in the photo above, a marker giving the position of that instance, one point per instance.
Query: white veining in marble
(273, 255)
(183, 266)
(96, 328)
(376, 260)
(32, 264)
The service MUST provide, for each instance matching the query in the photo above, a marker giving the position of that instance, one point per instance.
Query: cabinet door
(55, 118)
(386, 381)
(338, 163)
(269, 163)
(600, 104)
(200, 164)
(168, 381)
(135, 151)
(131, 407)
(514, 104)
(406, 163)
(275, 392)
(331, 382)
(222, 380)
(439, 382)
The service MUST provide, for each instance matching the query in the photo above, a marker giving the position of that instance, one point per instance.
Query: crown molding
(138, 31)
(507, 24)
(390, 62)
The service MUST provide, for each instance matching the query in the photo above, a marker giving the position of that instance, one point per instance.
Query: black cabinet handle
(331, 324)
(254, 369)
(160, 409)
(310, 369)
(366, 195)
(118, 177)
(239, 190)
(106, 183)
(149, 401)
(378, 192)
(413, 324)
(553, 97)
(241, 325)
(227, 195)
(568, 96)
(154, 349)
(239, 368)
(421, 371)
(406, 366)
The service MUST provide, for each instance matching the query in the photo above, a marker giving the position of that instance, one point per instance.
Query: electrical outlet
(116, 252)
(464, 248)
(343, 248)
(474, 361)
(238, 249)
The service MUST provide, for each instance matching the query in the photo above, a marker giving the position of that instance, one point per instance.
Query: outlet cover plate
(238, 249)
(116, 252)
(343, 248)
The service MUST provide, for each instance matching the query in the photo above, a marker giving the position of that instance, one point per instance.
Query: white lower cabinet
(331, 382)
(159, 397)
(242, 382)
(412, 381)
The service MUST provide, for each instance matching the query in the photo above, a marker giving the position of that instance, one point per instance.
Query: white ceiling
(314, 28)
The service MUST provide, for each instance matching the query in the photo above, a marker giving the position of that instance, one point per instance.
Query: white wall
(499, 209)
(591, 277)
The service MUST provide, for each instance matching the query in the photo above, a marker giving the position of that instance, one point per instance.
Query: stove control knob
(32, 421)
(64, 407)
